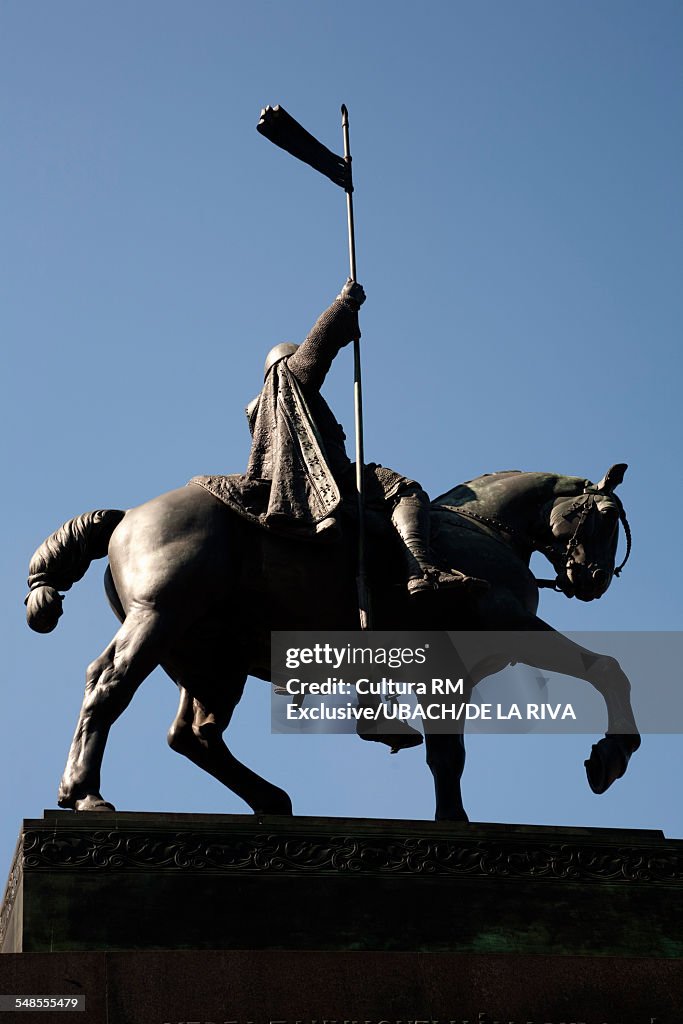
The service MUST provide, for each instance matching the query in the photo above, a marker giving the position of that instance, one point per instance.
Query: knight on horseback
(299, 475)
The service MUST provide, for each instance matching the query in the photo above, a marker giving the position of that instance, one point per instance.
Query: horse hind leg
(111, 682)
(197, 732)
(446, 761)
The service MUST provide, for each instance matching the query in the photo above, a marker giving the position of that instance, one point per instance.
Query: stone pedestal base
(347, 988)
(213, 918)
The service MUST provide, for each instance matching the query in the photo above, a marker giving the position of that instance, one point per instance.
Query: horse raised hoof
(609, 760)
(403, 738)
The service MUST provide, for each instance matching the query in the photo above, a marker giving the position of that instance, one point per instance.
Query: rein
(516, 534)
(499, 527)
(627, 532)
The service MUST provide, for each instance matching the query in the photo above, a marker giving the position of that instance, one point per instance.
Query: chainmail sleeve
(333, 329)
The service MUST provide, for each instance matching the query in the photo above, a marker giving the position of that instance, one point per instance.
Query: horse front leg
(111, 681)
(610, 756)
(545, 648)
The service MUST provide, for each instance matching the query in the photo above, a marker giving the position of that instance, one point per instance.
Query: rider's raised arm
(333, 329)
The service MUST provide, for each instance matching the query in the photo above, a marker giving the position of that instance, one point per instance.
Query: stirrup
(445, 579)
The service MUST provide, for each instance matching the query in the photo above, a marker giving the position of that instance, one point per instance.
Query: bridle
(585, 504)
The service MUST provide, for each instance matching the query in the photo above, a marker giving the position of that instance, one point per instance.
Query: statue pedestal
(212, 918)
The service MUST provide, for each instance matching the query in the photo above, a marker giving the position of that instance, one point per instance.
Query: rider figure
(293, 377)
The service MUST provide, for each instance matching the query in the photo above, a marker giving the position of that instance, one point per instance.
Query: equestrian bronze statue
(200, 576)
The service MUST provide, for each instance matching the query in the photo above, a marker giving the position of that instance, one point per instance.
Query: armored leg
(410, 517)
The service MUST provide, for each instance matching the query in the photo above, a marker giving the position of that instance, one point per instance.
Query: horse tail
(62, 560)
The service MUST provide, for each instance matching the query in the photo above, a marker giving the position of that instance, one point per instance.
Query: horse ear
(612, 478)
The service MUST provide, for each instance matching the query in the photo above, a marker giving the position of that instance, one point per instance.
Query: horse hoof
(272, 801)
(91, 803)
(453, 816)
(609, 761)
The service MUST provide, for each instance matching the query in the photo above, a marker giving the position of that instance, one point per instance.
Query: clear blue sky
(518, 173)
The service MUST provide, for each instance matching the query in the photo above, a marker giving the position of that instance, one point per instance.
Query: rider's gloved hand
(353, 294)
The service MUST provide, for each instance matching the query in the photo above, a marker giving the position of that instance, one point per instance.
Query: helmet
(287, 348)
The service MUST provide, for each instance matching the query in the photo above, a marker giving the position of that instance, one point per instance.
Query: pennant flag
(280, 127)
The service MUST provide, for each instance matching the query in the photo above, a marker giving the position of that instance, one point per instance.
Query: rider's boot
(395, 734)
(410, 518)
(401, 737)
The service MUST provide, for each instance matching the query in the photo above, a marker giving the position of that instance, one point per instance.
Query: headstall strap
(584, 503)
(622, 519)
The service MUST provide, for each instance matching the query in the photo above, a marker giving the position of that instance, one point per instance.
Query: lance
(280, 127)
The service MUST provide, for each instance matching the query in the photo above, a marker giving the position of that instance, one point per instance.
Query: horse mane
(475, 489)
(463, 493)
(498, 472)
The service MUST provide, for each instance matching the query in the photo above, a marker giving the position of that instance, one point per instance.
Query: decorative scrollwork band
(296, 853)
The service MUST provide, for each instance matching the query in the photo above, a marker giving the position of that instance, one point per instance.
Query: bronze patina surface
(201, 576)
(199, 589)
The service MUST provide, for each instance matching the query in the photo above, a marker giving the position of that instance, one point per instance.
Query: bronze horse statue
(198, 591)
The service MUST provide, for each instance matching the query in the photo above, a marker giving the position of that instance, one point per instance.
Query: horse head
(585, 532)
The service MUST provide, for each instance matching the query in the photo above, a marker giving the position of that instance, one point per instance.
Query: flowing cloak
(289, 484)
